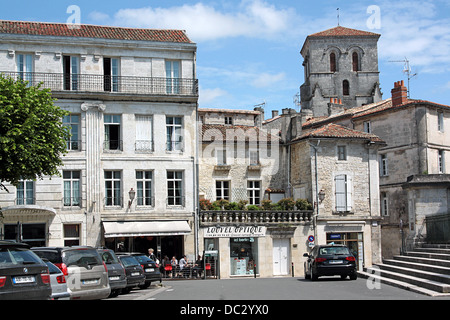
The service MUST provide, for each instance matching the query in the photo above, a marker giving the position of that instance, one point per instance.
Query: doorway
(281, 257)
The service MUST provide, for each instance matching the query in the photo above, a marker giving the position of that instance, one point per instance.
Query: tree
(32, 135)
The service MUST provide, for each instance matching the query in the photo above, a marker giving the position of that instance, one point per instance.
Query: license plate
(149, 270)
(24, 279)
(90, 281)
(134, 274)
(335, 261)
(114, 278)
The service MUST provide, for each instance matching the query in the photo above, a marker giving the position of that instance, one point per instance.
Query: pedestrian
(198, 267)
(152, 256)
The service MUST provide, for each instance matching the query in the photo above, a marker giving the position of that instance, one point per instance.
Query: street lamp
(321, 195)
(131, 194)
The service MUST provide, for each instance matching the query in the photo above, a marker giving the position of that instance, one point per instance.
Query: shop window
(243, 256)
(71, 235)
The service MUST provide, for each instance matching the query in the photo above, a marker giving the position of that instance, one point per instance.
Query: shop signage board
(234, 232)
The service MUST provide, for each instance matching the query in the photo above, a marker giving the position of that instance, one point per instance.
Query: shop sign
(233, 232)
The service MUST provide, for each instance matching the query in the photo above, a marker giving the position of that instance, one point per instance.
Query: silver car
(57, 282)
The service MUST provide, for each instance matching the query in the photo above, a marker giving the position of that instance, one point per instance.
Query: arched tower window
(355, 61)
(332, 62)
(345, 88)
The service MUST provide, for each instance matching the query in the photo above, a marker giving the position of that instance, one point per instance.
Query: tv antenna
(407, 70)
(296, 100)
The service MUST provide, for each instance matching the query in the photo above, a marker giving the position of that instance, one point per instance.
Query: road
(281, 289)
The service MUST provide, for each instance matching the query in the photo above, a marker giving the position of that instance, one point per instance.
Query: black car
(151, 269)
(23, 275)
(330, 260)
(116, 272)
(134, 272)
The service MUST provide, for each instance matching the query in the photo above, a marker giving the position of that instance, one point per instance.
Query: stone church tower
(341, 70)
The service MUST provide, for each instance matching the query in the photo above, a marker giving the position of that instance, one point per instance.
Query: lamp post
(131, 194)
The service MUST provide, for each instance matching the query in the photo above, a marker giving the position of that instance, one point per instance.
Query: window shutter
(341, 193)
(349, 189)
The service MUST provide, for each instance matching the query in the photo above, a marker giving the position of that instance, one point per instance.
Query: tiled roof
(215, 132)
(343, 32)
(92, 31)
(332, 130)
(204, 110)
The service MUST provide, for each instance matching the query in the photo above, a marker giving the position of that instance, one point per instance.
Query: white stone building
(132, 96)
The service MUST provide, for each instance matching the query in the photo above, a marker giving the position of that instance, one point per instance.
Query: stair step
(401, 284)
(442, 266)
(441, 245)
(433, 250)
(411, 280)
(430, 255)
(422, 270)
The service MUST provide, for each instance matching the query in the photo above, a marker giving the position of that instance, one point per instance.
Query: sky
(248, 51)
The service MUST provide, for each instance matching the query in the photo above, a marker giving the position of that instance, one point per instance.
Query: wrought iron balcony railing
(254, 217)
(105, 83)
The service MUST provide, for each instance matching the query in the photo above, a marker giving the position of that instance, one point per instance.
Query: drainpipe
(317, 188)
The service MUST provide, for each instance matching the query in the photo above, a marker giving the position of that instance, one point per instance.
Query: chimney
(274, 113)
(399, 94)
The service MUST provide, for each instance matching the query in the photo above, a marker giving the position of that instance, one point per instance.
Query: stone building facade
(342, 64)
(128, 180)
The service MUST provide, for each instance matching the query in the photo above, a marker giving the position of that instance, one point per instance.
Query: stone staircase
(424, 270)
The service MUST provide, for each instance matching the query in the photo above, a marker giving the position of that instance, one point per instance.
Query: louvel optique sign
(233, 231)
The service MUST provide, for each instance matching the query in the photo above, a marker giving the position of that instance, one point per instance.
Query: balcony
(256, 217)
(92, 83)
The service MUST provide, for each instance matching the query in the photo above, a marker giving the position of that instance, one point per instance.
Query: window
(72, 192)
(33, 234)
(441, 161)
(440, 121)
(243, 256)
(175, 188)
(71, 72)
(111, 74)
(342, 153)
(345, 88)
(174, 133)
(343, 193)
(71, 235)
(254, 192)
(113, 189)
(25, 192)
(383, 165)
(112, 132)
(228, 120)
(72, 121)
(355, 61)
(221, 157)
(223, 190)
(25, 67)
(144, 188)
(172, 77)
(333, 62)
(144, 133)
(367, 127)
(384, 204)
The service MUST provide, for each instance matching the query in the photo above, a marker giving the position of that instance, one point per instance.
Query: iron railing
(106, 83)
(438, 228)
(254, 216)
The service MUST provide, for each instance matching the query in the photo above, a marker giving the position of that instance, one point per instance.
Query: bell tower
(340, 64)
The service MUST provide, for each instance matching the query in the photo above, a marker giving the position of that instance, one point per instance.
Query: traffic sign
(311, 238)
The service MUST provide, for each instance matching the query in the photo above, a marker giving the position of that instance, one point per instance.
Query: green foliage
(303, 204)
(205, 204)
(32, 136)
(286, 204)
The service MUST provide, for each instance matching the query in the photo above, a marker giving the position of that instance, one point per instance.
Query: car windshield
(333, 251)
(109, 257)
(143, 259)
(129, 261)
(81, 257)
(15, 256)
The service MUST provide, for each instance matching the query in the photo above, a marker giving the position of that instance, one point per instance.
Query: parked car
(151, 269)
(86, 274)
(116, 272)
(330, 260)
(134, 272)
(23, 275)
(57, 282)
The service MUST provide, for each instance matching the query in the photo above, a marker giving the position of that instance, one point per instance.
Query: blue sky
(248, 50)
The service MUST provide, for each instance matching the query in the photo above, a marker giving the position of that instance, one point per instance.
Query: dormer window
(228, 120)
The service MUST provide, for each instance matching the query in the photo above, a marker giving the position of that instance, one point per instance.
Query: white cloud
(266, 80)
(207, 96)
(254, 18)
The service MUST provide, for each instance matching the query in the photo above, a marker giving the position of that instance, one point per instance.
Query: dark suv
(151, 269)
(23, 275)
(86, 274)
(116, 272)
(330, 260)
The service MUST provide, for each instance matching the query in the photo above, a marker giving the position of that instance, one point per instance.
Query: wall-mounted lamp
(131, 194)
(321, 195)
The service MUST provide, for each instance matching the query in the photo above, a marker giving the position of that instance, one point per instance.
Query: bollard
(254, 270)
(292, 269)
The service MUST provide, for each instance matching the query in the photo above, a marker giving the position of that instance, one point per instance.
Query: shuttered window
(144, 133)
(343, 193)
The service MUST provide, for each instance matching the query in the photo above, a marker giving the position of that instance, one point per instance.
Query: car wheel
(343, 276)
(145, 285)
(314, 277)
(353, 276)
(126, 290)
